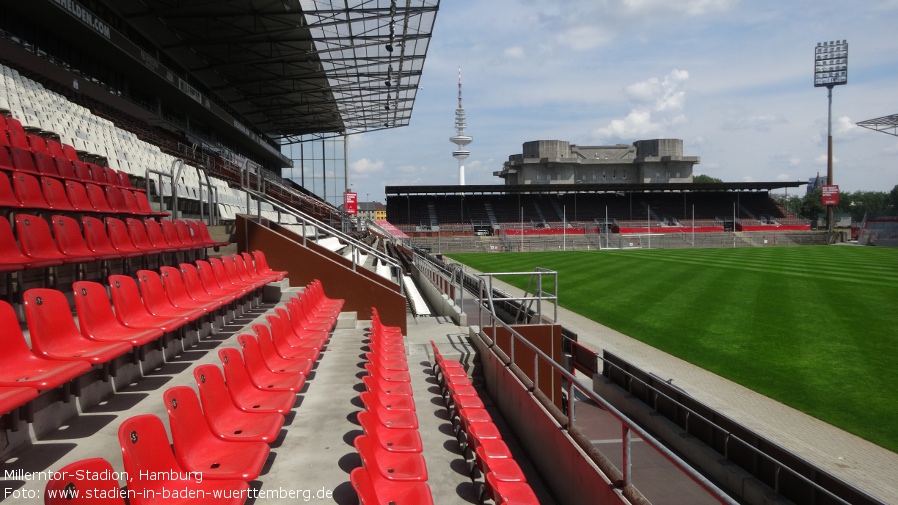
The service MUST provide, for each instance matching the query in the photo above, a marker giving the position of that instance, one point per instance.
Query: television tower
(460, 139)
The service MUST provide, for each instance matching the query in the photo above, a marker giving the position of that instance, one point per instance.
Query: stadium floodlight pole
(830, 70)
(564, 227)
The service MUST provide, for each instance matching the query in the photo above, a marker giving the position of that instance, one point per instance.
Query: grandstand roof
(885, 124)
(297, 67)
(591, 188)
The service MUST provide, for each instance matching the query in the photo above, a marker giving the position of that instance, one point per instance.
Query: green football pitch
(813, 327)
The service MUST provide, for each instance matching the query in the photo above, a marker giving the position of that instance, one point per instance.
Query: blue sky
(733, 79)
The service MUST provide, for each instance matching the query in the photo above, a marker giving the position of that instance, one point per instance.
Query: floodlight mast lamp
(830, 69)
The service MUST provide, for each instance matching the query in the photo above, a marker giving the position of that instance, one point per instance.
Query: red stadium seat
(171, 235)
(156, 301)
(65, 168)
(8, 198)
(387, 375)
(37, 241)
(393, 466)
(121, 239)
(138, 233)
(77, 484)
(98, 198)
(255, 358)
(77, 195)
(224, 279)
(28, 191)
(186, 237)
(157, 237)
(203, 230)
(130, 310)
(55, 195)
(176, 293)
(390, 388)
(11, 257)
(247, 397)
(22, 159)
(286, 341)
(70, 241)
(373, 488)
(117, 200)
(130, 201)
(262, 265)
(198, 450)
(394, 418)
(305, 323)
(250, 266)
(54, 334)
(146, 448)
(98, 322)
(249, 400)
(390, 439)
(17, 136)
(98, 241)
(282, 347)
(376, 396)
(302, 361)
(199, 278)
(175, 279)
(143, 204)
(19, 366)
(509, 492)
(13, 397)
(227, 421)
(260, 376)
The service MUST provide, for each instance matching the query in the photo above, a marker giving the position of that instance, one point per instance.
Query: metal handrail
(306, 220)
(627, 426)
(728, 435)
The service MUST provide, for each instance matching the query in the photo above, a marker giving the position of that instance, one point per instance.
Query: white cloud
(794, 161)
(657, 105)
(783, 177)
(366, 166)
(690, 7)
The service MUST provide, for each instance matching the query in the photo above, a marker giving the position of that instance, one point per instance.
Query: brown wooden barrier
(362, 289)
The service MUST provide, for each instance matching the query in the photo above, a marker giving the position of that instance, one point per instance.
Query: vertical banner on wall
(351, 203)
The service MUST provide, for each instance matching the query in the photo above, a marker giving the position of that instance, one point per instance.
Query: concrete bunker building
(560, 162)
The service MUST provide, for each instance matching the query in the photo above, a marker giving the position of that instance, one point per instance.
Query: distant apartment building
(560, 162)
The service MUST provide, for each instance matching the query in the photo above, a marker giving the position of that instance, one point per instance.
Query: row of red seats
(140, 312)
(393, 469)
(95, 240)
(220, 439)
(33, 192)
(480, 440)
(28, 152)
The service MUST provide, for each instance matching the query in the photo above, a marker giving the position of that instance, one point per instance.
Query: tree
(811, 205)
(702, 178)
(893, 197)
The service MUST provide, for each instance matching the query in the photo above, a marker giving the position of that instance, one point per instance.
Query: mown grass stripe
(813, 327)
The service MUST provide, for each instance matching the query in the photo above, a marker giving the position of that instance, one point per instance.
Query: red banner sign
(351, 203)
(830, 195)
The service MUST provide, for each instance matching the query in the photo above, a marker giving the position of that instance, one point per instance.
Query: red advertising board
(351, 203)
(830, 194)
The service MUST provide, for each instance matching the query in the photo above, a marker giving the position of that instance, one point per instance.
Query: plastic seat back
(22, 159)
(138, 232)
(54, 148)
(64, 167)
(8, 197)
(20, 365)
(54, 333)
(171, 234)
(17, 136)
(193, 283)
(28, 191)
(68, 236)
(185, 235)
(242, 390)
(126, 298)
(36, 143)
(130, 202)
(143, 204)
(72, 484)
(98, 198)
(77, 195)
(112, 177)
(70, 153)
(45, 165)
(175, 289)
(96, 237)
(153, 292)
(35, 238)
(97, 174)
(119, 236)
(146, 448)
(55, 194)
(156, 236)
(11, 257)
(211, 281)
(95, 315)
(117, 200)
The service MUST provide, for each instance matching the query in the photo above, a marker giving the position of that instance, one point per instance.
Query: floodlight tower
(460, 139)
(830, 70)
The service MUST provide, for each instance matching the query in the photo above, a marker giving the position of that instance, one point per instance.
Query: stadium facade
(560, 162)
